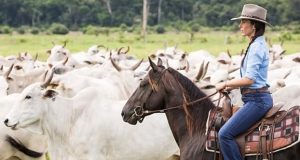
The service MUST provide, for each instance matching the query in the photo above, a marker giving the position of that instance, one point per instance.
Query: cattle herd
(70, 106)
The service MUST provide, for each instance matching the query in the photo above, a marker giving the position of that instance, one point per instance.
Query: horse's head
(148, 96)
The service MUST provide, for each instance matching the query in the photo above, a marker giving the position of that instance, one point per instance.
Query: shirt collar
(259, 39)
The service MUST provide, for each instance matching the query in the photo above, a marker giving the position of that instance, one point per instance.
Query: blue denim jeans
(256, 105)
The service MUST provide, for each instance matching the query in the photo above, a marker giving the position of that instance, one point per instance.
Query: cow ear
(9, 79)
(50, 94)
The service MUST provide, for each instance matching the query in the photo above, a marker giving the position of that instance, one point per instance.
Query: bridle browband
(141, 113)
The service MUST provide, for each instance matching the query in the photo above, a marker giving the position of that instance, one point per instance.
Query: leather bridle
(141, 113)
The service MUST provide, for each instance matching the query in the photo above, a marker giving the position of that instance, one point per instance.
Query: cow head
(30, 107)
(58, 53)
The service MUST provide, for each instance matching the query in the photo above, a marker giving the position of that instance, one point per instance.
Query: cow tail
(22, 148)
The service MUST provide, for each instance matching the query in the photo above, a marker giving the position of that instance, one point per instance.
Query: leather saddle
(264, 129)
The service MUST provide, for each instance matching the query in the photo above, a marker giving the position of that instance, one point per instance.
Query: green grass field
(212, 41)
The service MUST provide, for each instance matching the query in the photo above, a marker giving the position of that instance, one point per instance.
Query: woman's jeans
(256, 105)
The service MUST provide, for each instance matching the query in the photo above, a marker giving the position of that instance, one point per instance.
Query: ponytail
(259, 31)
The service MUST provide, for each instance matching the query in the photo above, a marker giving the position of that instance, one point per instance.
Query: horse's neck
(185, 138)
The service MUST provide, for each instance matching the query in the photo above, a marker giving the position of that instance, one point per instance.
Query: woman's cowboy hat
(253, 12)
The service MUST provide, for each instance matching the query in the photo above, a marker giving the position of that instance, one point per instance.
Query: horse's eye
(28, 97)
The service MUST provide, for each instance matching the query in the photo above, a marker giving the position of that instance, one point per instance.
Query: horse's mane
(196, 112)
(195, 115)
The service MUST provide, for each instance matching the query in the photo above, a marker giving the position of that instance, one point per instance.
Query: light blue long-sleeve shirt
(255, 66)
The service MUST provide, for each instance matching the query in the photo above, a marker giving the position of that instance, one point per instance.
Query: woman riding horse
(187, 108)
(253, 82)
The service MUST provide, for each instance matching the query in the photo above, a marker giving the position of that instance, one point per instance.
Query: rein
(140, 112)
(167, 109)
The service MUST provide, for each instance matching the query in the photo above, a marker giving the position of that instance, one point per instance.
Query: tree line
(106, 13)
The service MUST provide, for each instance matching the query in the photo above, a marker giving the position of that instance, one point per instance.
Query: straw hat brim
(243, 17)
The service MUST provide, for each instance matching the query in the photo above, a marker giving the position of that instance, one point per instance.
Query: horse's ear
(159, 62)
(153, 65)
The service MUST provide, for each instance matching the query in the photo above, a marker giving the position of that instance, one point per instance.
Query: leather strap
(227, 107)
(264, 144)
(241, 141)
(259, 90)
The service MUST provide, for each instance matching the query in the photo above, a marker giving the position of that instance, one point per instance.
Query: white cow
(16, 83)
(32, 144)
(58, 54)
(96, 54)
(289, 95)
(88, 127)
(118, 82)
(112, 86)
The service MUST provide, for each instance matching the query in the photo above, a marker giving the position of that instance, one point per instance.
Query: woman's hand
(220, 86)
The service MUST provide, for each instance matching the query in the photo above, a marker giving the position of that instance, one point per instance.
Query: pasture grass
(212, 41)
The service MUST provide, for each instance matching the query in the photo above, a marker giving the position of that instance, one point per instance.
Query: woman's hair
(259, 31)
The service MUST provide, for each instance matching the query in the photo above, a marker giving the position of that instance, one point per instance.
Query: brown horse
(167, 91)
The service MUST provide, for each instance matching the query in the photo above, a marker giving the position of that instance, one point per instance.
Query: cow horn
(118, 68)
(53, 43)
(65, 61)
(242, 52)
(205, 69)
(36, 57)
(19, 57)
(136, 65)
(45, 75)
(233, 69)
(200, 72)
(228, 53)
(187, 68)
(6, 74)
(124, 52)
(119, 50)
(47, 82)
(281, 53)
(127, 50)
(287, 74)
(110, 54)
(100, 46)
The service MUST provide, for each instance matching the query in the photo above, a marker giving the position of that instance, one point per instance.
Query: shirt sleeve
(254, 60)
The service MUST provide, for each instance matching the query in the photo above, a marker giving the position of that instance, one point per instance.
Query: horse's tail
(22, 148)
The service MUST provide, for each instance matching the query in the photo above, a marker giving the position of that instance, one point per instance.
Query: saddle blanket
(286, 134)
